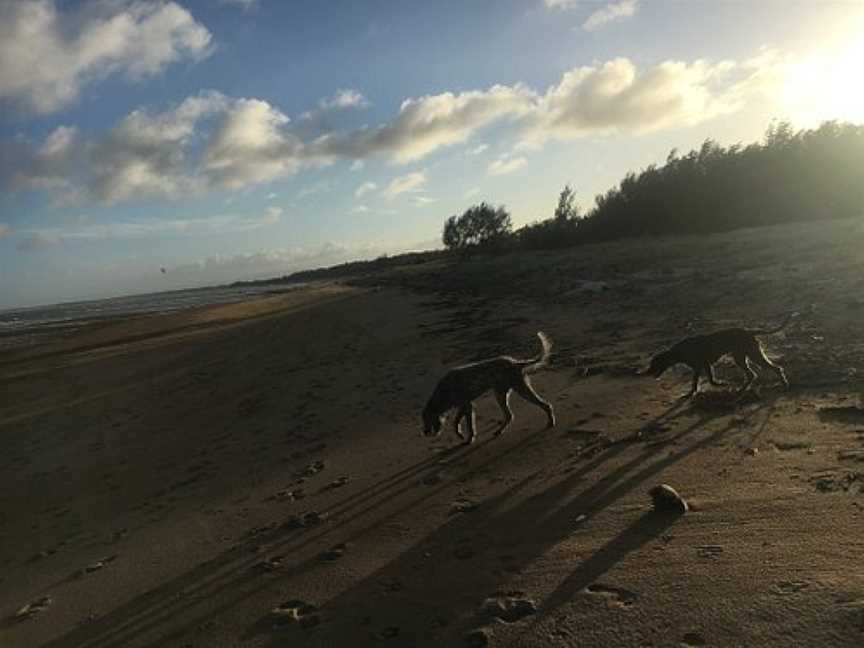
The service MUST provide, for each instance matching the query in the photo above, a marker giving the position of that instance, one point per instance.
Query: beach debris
(294, 613)
(33, 608)
(667, 500)
(508, 608)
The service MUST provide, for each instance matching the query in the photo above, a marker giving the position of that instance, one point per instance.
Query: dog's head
(433, 421)
(659, 363)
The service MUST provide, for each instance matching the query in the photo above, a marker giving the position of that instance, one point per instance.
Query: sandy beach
(253, 474)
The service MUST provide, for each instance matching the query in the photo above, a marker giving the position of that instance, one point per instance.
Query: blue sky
(232, 139)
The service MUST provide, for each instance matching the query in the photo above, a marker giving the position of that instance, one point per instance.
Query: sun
(826, 85)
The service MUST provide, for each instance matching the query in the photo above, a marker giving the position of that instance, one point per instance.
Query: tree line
(789, 176)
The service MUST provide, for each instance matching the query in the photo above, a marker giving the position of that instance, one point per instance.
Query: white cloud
(144, 154)
(250, 141)
(477, 150)
(250, 145)
(428, 123)
(614, 97)
(403, 184)
(245, 5)
(271, 196)
(311, 190)
(473, 191)
(422, 201)
(612, 12)
(365, 188)
(48, 56)
(357, 165)
(360, 209)
(505, 165)
(561, 4)
(5, 230)
(346, 98)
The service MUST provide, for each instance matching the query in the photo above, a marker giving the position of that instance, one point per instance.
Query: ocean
(23, 327)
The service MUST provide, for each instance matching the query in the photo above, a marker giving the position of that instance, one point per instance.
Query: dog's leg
(713, 379)
(741, 361)
(697, 373)
(471, 418)
(503, 398)
(526, 391)
(762, 360)
(457, 422)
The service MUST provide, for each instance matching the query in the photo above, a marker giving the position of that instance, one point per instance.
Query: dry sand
(253, 474)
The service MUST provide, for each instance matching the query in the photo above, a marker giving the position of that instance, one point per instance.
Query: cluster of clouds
(47, 57)
(213, 141)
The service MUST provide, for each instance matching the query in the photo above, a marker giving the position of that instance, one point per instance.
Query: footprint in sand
(95, 566)
(478, 638)
(709, 551)
(33, 608)
(333, 554)
(614, 596)
(508, 608)
(785, 588)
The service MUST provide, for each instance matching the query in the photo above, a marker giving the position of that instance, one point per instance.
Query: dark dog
(700, 352)
(462, 385)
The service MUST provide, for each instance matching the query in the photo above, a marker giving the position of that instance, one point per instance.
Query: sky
(157, 145)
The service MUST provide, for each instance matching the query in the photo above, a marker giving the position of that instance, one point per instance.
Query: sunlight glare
(826, 86)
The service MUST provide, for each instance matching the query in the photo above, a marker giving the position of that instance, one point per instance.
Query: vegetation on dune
(790, 176)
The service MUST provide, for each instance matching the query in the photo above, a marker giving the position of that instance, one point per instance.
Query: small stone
(667, 500)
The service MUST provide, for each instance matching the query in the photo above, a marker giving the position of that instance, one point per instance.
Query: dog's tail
(777, 329)
(542, 360)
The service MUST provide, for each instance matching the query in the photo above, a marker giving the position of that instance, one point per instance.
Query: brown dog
(700, 352)
(462, 385)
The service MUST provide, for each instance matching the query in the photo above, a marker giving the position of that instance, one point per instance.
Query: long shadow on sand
(445, 577)
(442, 583)
(181, 604)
